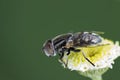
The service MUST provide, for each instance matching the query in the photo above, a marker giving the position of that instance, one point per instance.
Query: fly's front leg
(62, 52)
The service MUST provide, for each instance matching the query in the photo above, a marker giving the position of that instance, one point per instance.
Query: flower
(101, 55)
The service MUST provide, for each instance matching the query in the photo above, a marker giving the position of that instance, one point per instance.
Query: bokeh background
(26, 24)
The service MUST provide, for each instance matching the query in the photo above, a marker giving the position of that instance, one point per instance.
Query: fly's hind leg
(87, 59)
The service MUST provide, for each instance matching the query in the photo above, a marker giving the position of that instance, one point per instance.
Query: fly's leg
(75, 50)
(62, 52)
(61, 55)
(72, 49)
(87, 59)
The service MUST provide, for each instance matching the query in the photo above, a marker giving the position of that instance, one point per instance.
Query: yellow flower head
(93, 61)
(101, 55)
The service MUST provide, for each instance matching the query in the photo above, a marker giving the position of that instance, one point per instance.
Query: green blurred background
(26, 24)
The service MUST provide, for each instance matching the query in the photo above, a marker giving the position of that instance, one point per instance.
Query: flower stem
(96, 77)
(94, 74)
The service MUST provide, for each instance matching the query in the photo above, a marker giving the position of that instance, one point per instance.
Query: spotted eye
(48, 48)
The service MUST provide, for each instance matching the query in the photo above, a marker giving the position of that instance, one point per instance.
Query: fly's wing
(87, 38)
(97, 32)
(48, 48)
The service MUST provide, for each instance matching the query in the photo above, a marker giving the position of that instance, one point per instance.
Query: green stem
(94, 74)
(96, 77)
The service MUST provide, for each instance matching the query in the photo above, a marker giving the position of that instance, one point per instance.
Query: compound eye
(48, 48)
